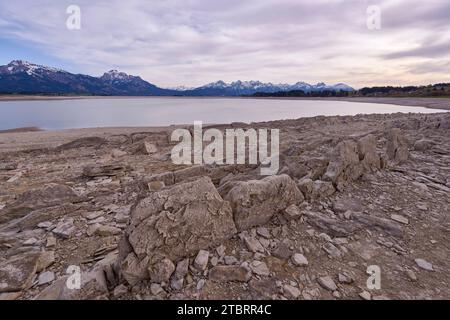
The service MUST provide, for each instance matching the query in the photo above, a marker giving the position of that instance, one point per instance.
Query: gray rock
(291, 292)
(397, 146)
(254, 202)
(365, 295)
(345, 278)
(200, 284)
(108, 170)
(17, 272)
(47, 225)
(367, 150)
(411, 275)
(230, 273)
(156, 185)
(48, 196)
(399, 218)
(332, 250)
(423, 264)
(380, 224)
(104, 230)
(292, 212)
(7, 166)
(84, 142)
(178, 221)
(92, 215)
(51, 241)
(230, 260)
(322, 189)
(181, 271)
(344, 204)
(332, 227)
(214, 261)
(117, 153)
(263, 289)
(134, 270)
(143, 147)
(65, 229)
(327, 283)
(344, 166)
(201, 261)
(423, 144)
(120, 291)
(306, 187)
(282, 251)
(253, 244)
(259, 268)
(221, 250)
(156, 289)
(162, 271)
(46, 259)
(263, 232)
(299, 260)
(46, 277)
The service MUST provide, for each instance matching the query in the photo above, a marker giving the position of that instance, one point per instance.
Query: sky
(194, 42)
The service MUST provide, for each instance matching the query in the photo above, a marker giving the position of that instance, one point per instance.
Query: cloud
(426, 50)
(191, 42)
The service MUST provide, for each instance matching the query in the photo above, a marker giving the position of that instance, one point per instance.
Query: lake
(155, 111)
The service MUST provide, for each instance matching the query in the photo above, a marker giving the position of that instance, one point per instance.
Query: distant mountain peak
(112, 75)
(20, 76)
(240, 87)
(19, 66)
(217, 84)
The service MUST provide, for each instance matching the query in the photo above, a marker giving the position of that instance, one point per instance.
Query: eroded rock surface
(351, 192)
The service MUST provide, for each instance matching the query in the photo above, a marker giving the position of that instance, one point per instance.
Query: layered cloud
(191, 42)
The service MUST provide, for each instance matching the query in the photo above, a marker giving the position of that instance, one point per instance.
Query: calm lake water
(113, 112)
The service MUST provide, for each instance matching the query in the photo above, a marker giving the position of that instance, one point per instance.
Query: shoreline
(431, 103)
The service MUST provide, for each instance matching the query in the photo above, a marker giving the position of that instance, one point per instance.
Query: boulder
(397, 146)
(181, 271)
(306, 186)
(174, 223)
(17, 272)
(322, 189)
(344, 166)
(254, 202)
(292, 212)
(161, 271)
(367, 150)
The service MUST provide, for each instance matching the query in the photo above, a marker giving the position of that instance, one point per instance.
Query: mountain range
(22, 77)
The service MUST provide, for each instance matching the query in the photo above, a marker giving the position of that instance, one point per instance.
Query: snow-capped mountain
(180, 88)
(238, 88)
(19, 66)
(116, 76)
(27, 78)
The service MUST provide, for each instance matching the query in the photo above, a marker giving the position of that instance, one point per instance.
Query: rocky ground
(352, 192)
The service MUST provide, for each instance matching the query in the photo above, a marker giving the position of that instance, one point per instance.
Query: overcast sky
(193, 42)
